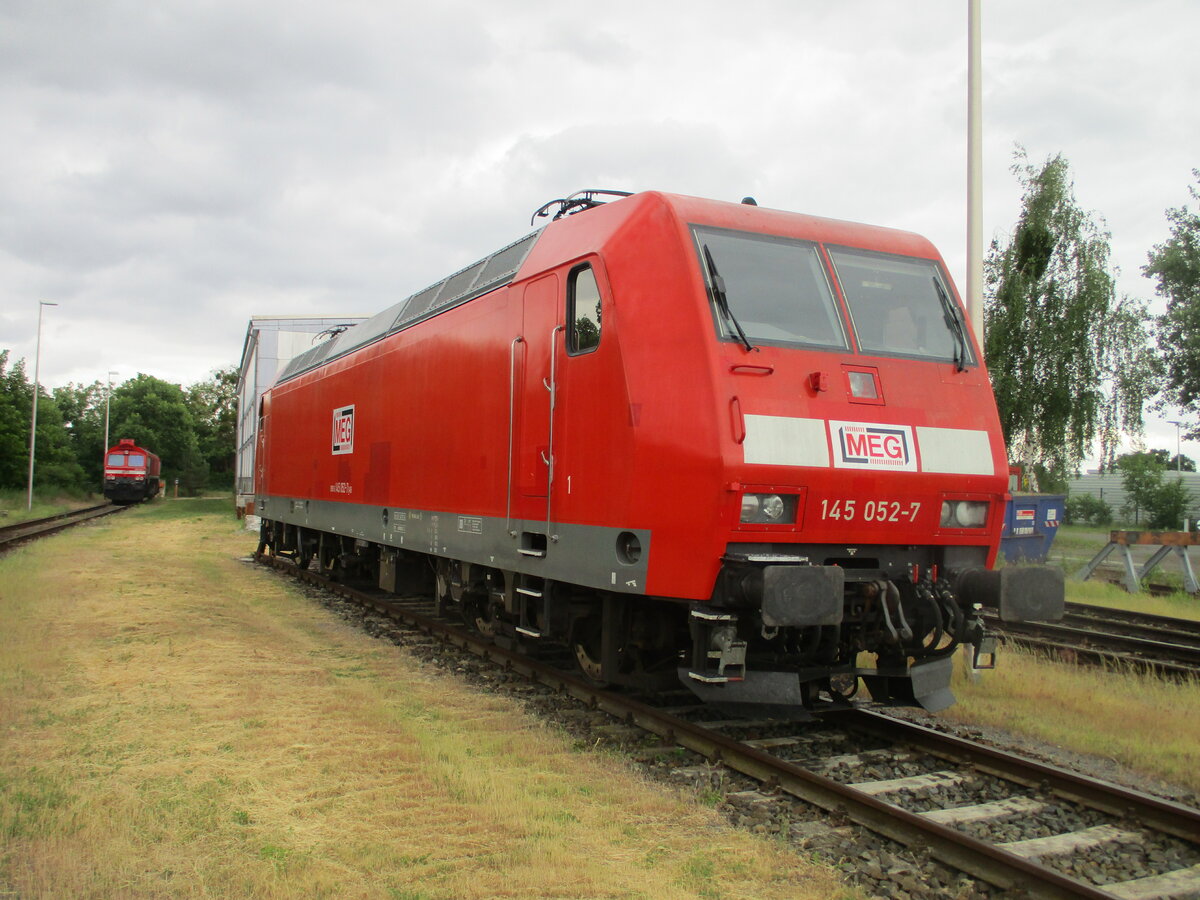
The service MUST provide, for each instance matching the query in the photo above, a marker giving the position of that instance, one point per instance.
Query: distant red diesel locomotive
(694, 440)
(131, 473)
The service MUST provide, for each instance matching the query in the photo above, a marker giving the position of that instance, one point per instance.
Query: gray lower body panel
(577, 554)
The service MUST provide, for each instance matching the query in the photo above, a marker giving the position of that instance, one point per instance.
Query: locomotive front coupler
(963, 626)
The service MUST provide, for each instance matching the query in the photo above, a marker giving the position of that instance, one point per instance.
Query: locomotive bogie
(636, 446)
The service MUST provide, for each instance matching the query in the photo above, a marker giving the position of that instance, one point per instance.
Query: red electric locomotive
(694, 440)
(131, 473)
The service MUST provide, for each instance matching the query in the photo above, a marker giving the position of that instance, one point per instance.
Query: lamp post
(37, 361)
(1178, 451)
(107, 398)
(974, 170)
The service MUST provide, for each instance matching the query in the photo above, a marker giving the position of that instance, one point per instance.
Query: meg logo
(859, 445)
(343, 429)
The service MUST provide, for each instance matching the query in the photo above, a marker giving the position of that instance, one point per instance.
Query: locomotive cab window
(900, 306)
(583, 311)
(116, 459)
(768, 289)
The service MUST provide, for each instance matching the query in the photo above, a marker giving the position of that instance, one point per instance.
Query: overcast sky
(168, 170)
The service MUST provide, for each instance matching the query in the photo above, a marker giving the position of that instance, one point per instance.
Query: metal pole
(37, 361)
(107, 398)
(974, 171)
(1179, 465)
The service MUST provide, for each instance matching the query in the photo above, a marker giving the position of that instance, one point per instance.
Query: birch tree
(1069, 360)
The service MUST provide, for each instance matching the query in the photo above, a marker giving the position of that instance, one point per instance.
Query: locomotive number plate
(870, 510)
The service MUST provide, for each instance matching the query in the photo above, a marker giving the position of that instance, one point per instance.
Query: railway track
(11, 535)
(1016, 825)
(1098, 635)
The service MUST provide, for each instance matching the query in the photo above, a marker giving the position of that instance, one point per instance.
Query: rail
(1097, 635)
(30, 529)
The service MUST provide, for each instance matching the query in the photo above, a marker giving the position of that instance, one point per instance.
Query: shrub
(1169, 505)
(1086, 509)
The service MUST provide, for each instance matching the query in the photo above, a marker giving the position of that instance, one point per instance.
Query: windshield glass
(116, 459)
(136, 459)
(774, 288)
(895, 307)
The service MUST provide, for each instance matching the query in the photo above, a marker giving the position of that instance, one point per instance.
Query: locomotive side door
(591, 427)
(541, 317)
(260, 450)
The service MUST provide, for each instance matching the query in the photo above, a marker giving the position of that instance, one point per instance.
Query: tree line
(192, 429)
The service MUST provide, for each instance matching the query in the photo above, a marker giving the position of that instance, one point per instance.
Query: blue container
(1030, 523)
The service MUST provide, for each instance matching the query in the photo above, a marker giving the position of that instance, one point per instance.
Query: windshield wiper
(718, 290)
(955, 324)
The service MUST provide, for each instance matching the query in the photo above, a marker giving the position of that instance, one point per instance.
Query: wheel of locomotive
(478, 612)
(473, 605)
(491, 587)
(265, 540)
(328, 557)
(441, 586)
(843, 686)
(587, 643)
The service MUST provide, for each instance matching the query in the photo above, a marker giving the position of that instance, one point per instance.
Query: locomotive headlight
(972, 513)
(964, 513)
(768, 509)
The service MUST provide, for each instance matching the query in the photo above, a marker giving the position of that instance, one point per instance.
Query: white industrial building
(1110, 488)
(271, 342)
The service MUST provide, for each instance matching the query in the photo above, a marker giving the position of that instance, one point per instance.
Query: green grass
(1179, 605)
(45, 503)
(197, 509)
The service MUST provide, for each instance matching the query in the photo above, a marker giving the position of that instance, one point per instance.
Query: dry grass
(1146, 723)
(178, 724)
